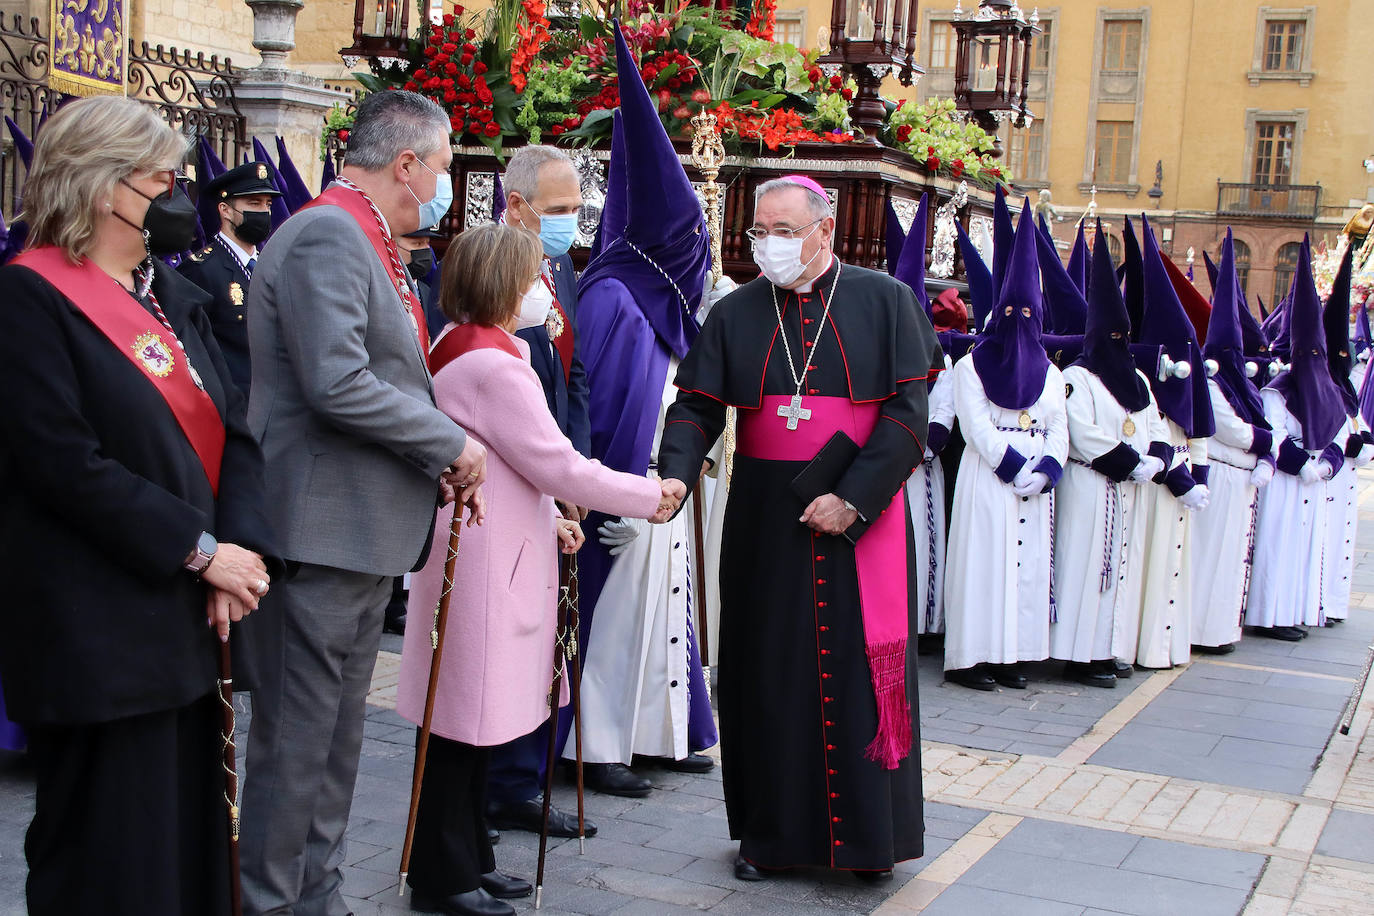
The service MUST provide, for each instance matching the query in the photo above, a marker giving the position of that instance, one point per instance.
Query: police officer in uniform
(224, 267)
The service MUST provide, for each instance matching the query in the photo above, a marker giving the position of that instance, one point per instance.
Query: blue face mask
(433, 210)
(556, 232)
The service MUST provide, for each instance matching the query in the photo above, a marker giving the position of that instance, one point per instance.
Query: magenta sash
(879, 556)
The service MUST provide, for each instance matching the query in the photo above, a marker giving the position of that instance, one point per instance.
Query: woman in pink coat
(497, 666)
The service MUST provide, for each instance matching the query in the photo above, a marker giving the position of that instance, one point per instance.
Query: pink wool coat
(497, 665)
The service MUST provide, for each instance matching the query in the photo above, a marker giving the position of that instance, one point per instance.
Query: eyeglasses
(174, 177)
(778, 232)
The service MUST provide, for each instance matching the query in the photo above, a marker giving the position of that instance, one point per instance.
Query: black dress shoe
(1008, 676)
(506, 887)
(529, 815)
(748, 871)
(1286, 634)
(1332, 621)
(873, 877)
(1089, 674)
(974, 678)
(1117, 666)
(1223, 649)
(616, 779)
(1302, 631)
(468, 903)
(692, 763)
(396, 625)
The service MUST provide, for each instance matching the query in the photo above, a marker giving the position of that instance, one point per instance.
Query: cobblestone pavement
(1219, 787)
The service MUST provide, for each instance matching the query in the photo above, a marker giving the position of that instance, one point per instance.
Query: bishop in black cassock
(817, 699)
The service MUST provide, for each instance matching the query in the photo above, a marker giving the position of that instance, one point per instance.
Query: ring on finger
(261, 588)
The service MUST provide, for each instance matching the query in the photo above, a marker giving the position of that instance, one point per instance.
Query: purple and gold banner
(89, 47)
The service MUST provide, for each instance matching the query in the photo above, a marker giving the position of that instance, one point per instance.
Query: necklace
(398, 270)
(794, 411)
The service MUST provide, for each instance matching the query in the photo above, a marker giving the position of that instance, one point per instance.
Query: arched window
(1285, 265)
(1242, 251)
(1114, 248)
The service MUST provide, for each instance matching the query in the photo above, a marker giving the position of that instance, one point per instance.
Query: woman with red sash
(497, 666)
(132, 481)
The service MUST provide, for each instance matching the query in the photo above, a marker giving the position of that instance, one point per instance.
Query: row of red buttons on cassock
(825, 675)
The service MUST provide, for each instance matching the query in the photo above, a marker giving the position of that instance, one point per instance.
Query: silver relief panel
(592, 176)
(942, 247)
(481, 188)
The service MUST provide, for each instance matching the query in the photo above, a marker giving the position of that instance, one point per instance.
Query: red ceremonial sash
(879, 556)
(146, 344)
(563, 343)
(356, 206)
(457, 339)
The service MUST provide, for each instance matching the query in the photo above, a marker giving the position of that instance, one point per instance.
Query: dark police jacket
(567, 395)
(102, 499)
(215, 270)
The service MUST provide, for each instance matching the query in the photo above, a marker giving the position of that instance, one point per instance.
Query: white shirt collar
(237, 250)
(810, 284)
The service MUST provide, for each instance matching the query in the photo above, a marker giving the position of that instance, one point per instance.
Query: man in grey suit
(357, 458)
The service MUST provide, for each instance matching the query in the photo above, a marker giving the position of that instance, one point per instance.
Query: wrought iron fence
(193, 93)
(1282, 201)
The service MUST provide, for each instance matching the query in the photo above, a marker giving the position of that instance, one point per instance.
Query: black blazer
(216, 271)
(102, 499)
(567, 397)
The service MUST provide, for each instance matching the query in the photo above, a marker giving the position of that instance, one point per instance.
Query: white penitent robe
(1099, 540)
(635, 697)
(1166, 601)
(999, 568)
(1290, 527)
(1224, 532)
(1342, 519)
(925, 494)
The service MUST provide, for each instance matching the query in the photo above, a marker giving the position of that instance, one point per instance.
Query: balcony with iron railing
(1277, 201)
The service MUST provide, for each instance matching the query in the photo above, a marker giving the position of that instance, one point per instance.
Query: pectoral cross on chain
(794, 412)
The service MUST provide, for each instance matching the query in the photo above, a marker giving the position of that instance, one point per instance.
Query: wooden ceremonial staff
(564, 650)
(231, 777)
(436, 641)
(699, 568)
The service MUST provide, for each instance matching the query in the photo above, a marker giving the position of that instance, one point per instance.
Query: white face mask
(534, 306)
(780, 259)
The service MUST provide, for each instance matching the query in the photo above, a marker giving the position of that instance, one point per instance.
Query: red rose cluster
(454, 78)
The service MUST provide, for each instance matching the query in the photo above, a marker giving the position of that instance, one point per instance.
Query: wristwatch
(853, 508)
(201, 555)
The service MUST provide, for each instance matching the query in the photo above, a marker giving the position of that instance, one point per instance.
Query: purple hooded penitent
(1010, 357)
(1133, 279)
(1226, 344)
(292, 186)
(613, 207)
(1336, 321)
(1002, 235)
(911, 266)
(1106, 341)
(1186, 401)
(1307, 387)
(280, 212)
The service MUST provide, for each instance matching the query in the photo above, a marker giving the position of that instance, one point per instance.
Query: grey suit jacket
(342, 401)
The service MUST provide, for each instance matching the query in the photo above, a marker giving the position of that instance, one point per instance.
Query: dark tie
(252, 262)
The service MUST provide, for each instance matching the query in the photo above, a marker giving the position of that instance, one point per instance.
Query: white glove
(929, 455)
(1365, 456)
(718, 291)
(618, 535)
(1262, 474)
(1146, 470)
(1034, 485)
(1310, 473)
(1195, 500)
(1326, 470)
(1022, 478)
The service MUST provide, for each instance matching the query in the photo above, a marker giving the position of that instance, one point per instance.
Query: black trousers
(130, 816)
(451, 851)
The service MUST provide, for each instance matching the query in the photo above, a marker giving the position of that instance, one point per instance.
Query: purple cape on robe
(1225, 344)
(1106, 344)
(1307, 387)
(1010, 356)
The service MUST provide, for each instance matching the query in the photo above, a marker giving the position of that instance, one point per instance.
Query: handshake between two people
(461, 482)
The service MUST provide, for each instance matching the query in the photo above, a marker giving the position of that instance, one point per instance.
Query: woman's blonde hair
(486, 271)
(81, 154)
